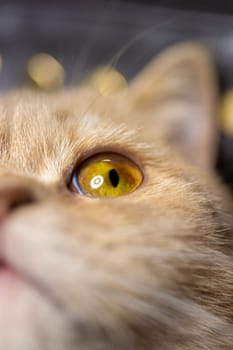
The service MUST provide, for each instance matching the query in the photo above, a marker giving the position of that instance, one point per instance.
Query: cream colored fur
(148, 270)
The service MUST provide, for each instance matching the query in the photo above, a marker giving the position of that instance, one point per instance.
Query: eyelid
(127, 152)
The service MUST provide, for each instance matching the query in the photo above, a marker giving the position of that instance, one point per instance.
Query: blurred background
(48, 44)
(81, 35)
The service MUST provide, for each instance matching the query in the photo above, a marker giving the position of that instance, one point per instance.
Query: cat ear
(176, 93)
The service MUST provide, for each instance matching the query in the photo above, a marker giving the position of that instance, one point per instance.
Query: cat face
(148, 269)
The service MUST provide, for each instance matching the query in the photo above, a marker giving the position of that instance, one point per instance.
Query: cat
(144, 262)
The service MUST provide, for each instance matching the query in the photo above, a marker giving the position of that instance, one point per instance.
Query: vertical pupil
(114, 177)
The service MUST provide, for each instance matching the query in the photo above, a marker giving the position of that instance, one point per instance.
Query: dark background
(83, 34)
(224, 6)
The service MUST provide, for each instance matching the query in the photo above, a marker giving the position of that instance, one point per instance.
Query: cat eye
(106, 175)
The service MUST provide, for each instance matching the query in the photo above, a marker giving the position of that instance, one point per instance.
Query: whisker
(140, 36)
(90, 40)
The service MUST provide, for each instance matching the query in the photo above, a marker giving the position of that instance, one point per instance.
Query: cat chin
(32, 323)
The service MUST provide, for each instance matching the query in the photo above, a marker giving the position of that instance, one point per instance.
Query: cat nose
(17, 193)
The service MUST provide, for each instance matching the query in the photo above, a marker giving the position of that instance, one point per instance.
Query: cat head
(128, 265)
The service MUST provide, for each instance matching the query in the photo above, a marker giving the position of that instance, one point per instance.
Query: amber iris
(106, 175)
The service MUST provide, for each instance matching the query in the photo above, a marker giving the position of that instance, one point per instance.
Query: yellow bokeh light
(45, 71)
(226, 112)
(107, 80)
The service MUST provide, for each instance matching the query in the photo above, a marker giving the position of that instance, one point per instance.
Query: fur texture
(148, 270)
